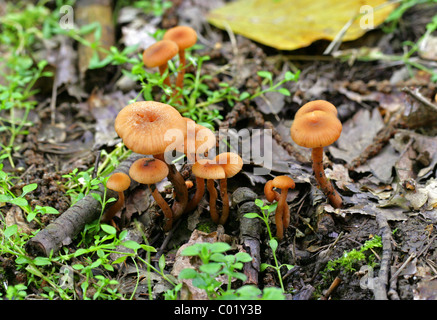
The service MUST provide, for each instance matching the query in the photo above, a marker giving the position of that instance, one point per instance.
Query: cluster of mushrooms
(153, 129)
(144, 127)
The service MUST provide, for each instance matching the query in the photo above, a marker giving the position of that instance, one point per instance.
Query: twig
(331, 288)
(418, 96)
(380, 289)
(70, 223)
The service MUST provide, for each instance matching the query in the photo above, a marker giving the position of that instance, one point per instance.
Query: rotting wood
(70, 223)
(87, 12)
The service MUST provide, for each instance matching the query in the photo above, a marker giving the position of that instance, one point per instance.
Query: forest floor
(383, 166)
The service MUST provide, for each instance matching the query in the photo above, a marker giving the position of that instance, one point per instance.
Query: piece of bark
(70, 223)
(250, 230)
(87, 12)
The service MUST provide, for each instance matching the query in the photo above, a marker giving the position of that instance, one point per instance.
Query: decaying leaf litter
(383, 164)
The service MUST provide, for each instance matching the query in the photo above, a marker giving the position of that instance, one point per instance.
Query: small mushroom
(269, 192)
(232, 164)
(185, 37)
(209, 171)
(282, 215)
(143, 127)
(118, 182)
(318, 129)
(150, 171)
(158, 55)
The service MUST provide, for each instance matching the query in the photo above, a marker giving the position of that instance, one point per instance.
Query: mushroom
(209, 171)
(150, 171)
(320, 105)
(198, 141)
(232, 164)
(185, 37)
(158, 55)
(317, 129)
(271, 195)
(143, 126)
(282, 214)
(118, 182)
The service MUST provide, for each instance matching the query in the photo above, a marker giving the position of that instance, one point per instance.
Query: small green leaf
(108, 229)
(161, 262)
(265, 74)
(210, 268)
(273, 243)
(284, 91)
(11, 230)
(252, 215)
(148, 248)
(130, 244)
(218, 247)
(42, 261)
(191, 251)
(29, 188)
(187, 273)
(243, 257)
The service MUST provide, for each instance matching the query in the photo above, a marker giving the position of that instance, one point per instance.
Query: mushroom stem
(225, 200)
(113, 209)
(326, 186)
(162, 69)
(285, 209)
(182, 66)
(200, 191)
(180, 188)
(168, 214)
(278, 219)
(212, 200)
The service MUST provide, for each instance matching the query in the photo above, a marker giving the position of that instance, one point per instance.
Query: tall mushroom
(318, 129)
(158, 55)
(209, 171)
(144, 128)
(199, 141)
(282, 214)
(150, 171)
(185, 37)
(232, 164)
(118, 182)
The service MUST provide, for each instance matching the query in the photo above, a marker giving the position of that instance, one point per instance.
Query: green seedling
(266, 211)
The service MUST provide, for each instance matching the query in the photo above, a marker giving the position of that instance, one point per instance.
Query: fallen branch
(70, 223)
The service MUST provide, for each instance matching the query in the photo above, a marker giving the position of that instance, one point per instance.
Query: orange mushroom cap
(208, 170)
(283, 182)
(231, 163)
(321, 105)
(118, 181)
(160, 53)
(148, 170)
(315, 129)
(142, 126)
(202, 138)
(184, 36)
(269, 192)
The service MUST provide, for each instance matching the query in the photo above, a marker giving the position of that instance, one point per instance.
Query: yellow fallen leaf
(292, 24)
